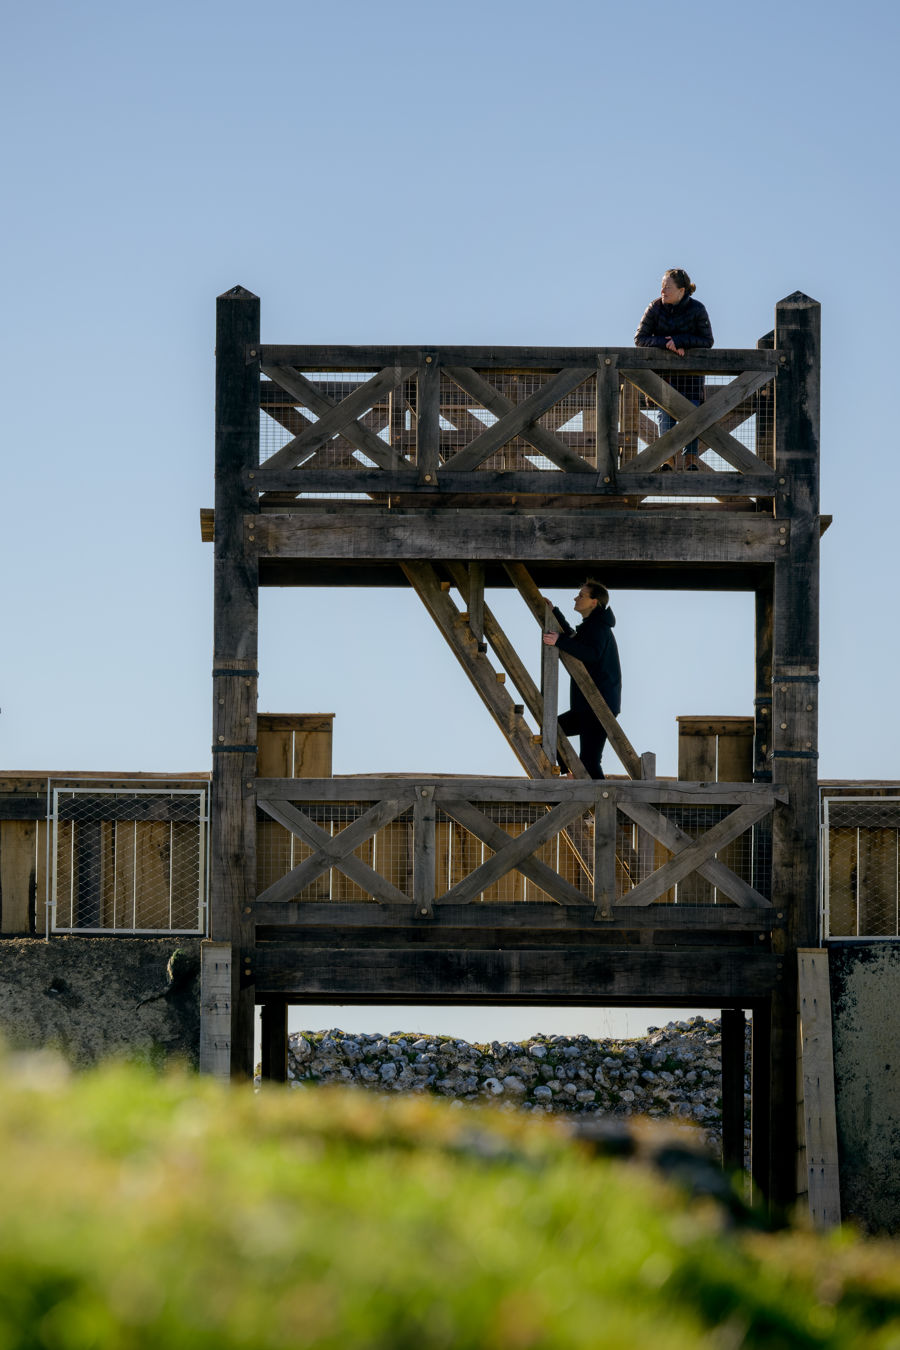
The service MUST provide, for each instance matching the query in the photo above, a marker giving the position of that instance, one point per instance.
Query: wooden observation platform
(454, 471)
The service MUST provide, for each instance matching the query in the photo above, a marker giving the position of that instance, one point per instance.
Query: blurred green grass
(146, 1211)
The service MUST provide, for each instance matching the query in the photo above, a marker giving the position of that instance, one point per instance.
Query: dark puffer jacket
(686, 323)
(593, 643)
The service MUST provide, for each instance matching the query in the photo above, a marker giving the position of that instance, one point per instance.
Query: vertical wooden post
(795, 678)
(475, 599)
(733, 1032)
(274, 1027)
(607, 419)
(235, 642)
(549, 692)
(428, 409)
(424, 845)
(761, 1096)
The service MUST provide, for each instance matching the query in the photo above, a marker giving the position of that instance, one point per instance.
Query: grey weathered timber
(334, 852)
(700, 421)
(719, 360)
(459, 637)
(822, 1163)
(547, 485)
(637, 976)
(511, 853)
(733, 1031)
(424, 851)
(477, 823)
(475, 598)
(761, 1096)
(232, 808)
(538, 790)
(795, 661)
(518, 419)
(513, 917)
(512, 663)
(382, 533)
(607, 419)
(216, 1028)
(604, 855)
(336, 418)
(549, 693)
(543, 613)
(428, 408)
(678, 843)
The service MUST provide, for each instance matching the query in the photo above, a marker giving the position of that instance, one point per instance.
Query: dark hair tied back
(681, 279)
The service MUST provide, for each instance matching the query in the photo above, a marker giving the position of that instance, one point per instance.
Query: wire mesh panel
(128, 860)
(861, 866)
(639, 854)
(752, 423)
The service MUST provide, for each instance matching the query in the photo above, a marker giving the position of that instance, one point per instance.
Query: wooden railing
(511, 421)
(417, 845)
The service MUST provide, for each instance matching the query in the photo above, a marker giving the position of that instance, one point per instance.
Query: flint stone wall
(674, 1072)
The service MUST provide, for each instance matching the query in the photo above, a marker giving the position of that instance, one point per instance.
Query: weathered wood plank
(549, 693)
(675, 840)
(335, 851)
(368, 788)
(719, 360)
(511, 853)
(600, 977)
(18, 875)
(382, 533)
(480, 825)
(518, 419)
(334, 418)
(539, 916)
(822, 1160)
(216, 965)
(694, 421)
(424, 852)
(543, 483)
(428, 407)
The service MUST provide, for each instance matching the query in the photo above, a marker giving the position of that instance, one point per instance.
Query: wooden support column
(233, 803)
(733, 1032)
(274, 1027)
(761, 1096)
(795, 677)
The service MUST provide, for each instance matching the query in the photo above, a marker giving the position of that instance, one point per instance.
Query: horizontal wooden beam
(659, 791)
(380, 533)
(519, 483)
(603, 976)
(514, 916)
(721, 360)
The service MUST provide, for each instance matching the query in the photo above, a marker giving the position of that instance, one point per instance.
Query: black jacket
(686, 323)
(593, 643)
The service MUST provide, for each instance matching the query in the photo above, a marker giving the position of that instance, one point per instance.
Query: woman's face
(670, 294)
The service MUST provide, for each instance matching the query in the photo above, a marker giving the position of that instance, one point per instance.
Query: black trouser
(592, 735)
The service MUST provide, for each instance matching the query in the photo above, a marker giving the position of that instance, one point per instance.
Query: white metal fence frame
(58, 794)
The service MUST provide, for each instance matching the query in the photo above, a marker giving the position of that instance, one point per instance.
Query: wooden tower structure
(452, 471)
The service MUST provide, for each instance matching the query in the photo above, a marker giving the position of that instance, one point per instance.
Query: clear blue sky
(494, 172)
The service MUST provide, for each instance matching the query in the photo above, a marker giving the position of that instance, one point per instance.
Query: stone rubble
(673, 1073)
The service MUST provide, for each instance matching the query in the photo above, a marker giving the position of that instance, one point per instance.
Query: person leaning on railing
(677, 322)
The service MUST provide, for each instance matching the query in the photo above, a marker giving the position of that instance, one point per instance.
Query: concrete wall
(96, 997)
(865, 996)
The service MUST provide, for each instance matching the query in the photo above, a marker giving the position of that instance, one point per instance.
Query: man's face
(585, 603)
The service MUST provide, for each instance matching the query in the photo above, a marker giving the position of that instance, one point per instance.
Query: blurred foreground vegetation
(140, 1211)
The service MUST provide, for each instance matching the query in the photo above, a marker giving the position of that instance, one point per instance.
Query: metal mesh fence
(752, 423)
(458, 852)
(639, 855)
(128, 860)
(861, 866)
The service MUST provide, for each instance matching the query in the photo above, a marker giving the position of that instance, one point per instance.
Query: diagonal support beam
(335, 418)
(515, 667)
(335, 851)
(518, 419)
(694, 421)
(496, 698)
(477, 823)
(694, 855)
(512, 853)
(631, 760)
